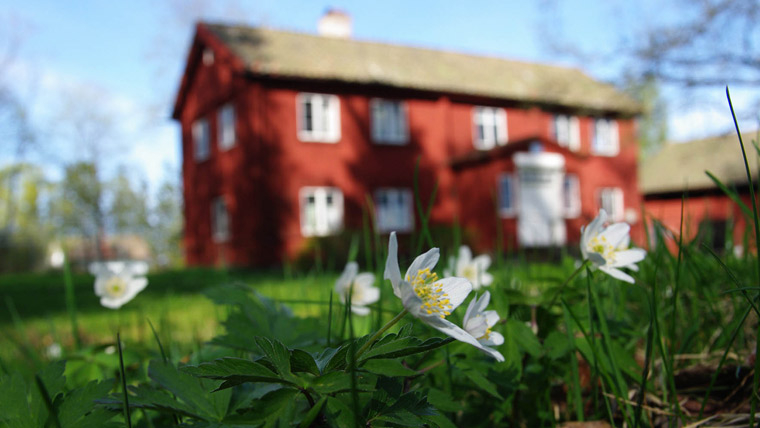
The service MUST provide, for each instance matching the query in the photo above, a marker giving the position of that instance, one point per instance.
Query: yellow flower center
(486, 335)
(603, 248)
(116, 287)
(434, 300)
(470, 273)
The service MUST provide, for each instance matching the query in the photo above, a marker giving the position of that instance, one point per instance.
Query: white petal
(482, 262)
(137, 285)
(410, 300)
(136, 268)
(112, 303)
(617, 274)
(596, 259)
(486, 279)
(495, 339)
(493, 353)
(615, 233)
(471, 311)
(392, 271)
(492, 317)
(423, 261)
(344, 280)
(627, 257)
(364, 280)
(447, 327)
(370, 295)
(456, 288)
(359, 310)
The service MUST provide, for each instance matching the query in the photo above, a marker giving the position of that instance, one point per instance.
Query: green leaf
(392, 347)
(522, 336)
(478, 379)
(235, 371)
(557, 345)
(277, 353)
(388, 368)
(442, 400)
(339, 414)
(340, 381)
(302, 361)
(274, 409)
(313, 413)
(73, 411)
(14, 406)
(731, 194)
(193, 391)
(147, 397)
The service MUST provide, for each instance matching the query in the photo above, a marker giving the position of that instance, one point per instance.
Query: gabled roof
(681, 166)
(285, 54)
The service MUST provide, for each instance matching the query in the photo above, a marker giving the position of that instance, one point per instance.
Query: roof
(287, 54)
(681, 166)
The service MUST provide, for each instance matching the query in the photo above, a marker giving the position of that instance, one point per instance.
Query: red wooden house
(285, 135)
(678, 173)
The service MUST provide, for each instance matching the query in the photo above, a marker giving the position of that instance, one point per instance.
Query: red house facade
(675, 186)
(286, 136)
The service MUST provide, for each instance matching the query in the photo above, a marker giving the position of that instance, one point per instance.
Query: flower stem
(380, 332)
(567, 281)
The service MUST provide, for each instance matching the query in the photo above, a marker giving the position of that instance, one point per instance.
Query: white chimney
(335, 23)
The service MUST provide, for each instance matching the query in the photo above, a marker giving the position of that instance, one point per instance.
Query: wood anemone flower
(427, 297)
(474, 269)
(478, 322)
(359, 287)
(116, 283)
(606, 247)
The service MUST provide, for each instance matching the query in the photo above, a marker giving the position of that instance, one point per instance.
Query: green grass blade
(576, 381)
(71, 307)
(127, 414)
(158, 341)
(732, 194)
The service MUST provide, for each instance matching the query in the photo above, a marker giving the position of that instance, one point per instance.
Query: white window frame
(493, 120)
(388, 121)
(391, 217)
(325, 111)
(220, 220)
(327, 210)
(201, 139)
(605, 140)
(507, 209)
(611, 199)
(567, 131)
(571, 195)
(226, 126)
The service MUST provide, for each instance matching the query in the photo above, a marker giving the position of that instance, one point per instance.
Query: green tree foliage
(653, 122)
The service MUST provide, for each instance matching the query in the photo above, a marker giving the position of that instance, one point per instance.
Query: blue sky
(133, 52)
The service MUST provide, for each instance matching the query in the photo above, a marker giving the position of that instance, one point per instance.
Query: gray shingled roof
(280, 53)
(681, 166)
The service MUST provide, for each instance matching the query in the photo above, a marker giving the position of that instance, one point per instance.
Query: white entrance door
(540, 219)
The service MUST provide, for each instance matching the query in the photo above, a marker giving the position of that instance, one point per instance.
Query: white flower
(474, 269)
(606, 247)
(424, 295)
(478, 322)
(53, 351)
(116, 283)
(359, 286)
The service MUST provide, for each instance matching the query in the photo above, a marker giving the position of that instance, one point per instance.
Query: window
(393, 210)
(388, 121)
(220, 220)
(226, 126)
(507, 197)
(611, 200)
(318, 118)
(490, 127)
(201, 147)
(567, 132)
(321, 211)
(606, 140)
(571, 196)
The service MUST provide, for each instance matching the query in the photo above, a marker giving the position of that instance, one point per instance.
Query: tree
(79, 206)
(653, 122)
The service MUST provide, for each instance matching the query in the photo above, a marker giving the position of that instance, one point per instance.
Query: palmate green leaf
(339, 414)
(277, 354)
(234, 371)
(406, 410)
(387, 367)
(302, 361)
(276, 408)
(191, 390)
(254, 315)
(77, 407)
(148, 397)
(477, 377)
(14, 406)
(313, 413)
(339, 381)
(442, 400)
(392, 347)
(520, 335)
